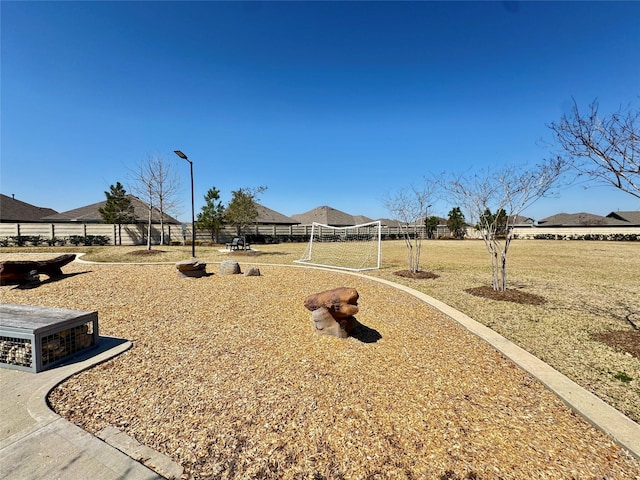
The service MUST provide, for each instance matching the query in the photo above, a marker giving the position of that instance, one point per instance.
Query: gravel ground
(227, 377)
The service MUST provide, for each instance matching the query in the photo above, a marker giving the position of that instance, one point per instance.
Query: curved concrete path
(36, 443)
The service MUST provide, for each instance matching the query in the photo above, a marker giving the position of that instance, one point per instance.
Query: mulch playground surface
(227, 377)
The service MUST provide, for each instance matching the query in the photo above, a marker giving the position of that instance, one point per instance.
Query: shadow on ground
(365, 334)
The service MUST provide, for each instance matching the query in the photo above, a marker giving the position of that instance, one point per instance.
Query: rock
(229, 267)
(342, 302)
(332, 311)
(252, 272)
(325, 324)
(191, 268)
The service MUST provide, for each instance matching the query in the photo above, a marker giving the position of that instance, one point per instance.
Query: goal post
(355, 247)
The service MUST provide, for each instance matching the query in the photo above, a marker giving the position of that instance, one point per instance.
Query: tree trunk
(149, 230)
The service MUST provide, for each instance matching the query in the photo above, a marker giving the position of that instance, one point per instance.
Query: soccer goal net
(355, 247)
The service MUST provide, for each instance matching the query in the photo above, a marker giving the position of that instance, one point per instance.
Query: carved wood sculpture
(333, 311)
(18, 272)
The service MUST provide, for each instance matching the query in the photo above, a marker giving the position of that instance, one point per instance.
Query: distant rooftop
(12, 210)
(91, 213)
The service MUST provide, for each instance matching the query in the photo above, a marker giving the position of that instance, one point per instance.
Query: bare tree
(605, 148)
(167, 186)
(507, 192)
(410, 208)
(154, 182)
(143, 185)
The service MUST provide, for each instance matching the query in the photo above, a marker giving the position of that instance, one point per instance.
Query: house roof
(326, 215)
(579, 220)
(631, 217)
(91, 213)
(12, 210)
(520, 220)
(360, 219)
(420, 222)
(387, 222)
(268, 216)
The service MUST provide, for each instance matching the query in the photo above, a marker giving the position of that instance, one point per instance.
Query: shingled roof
(12, 210)
(91, 213)
(579, 220)
(270, 217)
(631, 217)
(328, 216)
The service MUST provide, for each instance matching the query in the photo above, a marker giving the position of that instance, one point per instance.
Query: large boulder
(229, 267)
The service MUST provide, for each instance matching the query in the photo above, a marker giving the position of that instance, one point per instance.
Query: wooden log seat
(18, 272)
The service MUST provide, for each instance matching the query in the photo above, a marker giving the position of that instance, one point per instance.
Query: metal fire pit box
(36, 338)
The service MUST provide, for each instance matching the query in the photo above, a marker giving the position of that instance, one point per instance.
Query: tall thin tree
(211, 217)
(167, 186)
(154, 182)
(117, 209)
(456, 223)
(409, 207)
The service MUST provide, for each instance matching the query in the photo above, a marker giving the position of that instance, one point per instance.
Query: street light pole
(193, 220)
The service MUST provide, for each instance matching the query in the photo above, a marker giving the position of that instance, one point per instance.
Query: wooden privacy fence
(132, 234)
(136, 234)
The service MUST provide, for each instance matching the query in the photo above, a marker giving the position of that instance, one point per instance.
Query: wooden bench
(237, 244)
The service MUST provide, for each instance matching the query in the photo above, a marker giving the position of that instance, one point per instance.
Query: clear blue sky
(325, 103)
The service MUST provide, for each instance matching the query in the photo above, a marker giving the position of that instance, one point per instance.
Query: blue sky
(325, 103)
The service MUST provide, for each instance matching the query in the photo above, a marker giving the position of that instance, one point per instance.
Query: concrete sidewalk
(36, 443)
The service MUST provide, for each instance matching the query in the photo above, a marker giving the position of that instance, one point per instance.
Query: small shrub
(76, 240)
(623, 377)
(18, 240)
(100, 240)
(35, 240)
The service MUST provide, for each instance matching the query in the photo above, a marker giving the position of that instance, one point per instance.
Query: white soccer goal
(355, 247)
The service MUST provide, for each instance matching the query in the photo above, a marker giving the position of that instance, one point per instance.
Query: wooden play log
(18, 272)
